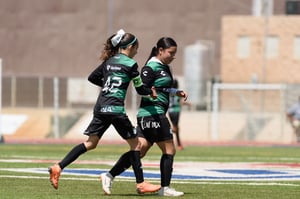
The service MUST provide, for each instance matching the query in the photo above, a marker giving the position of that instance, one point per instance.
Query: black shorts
(101, 122)
(174, 117)
(154, 128)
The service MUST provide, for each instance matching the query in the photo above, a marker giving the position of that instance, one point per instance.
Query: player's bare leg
(175, 130)
(297, 132)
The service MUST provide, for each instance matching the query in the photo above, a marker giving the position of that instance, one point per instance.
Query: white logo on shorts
(149, 124)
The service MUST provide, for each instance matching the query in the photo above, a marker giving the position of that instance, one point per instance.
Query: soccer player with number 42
(113, 75)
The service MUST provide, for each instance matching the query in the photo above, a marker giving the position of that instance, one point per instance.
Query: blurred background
(238, 60)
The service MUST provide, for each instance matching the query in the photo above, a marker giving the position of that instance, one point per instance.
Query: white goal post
(0, 99)
(218, 87)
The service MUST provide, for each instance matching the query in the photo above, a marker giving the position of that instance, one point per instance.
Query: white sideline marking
(187, 171)
(173, 181)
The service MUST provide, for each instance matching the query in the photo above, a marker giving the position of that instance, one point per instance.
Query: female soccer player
(174, 110)
(153, 125)
(113, 75)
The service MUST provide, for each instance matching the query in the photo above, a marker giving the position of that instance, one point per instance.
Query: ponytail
(153, 53)
(109, 50)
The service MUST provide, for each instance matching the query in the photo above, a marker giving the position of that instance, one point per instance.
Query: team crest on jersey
(145, 73)
(163, 73)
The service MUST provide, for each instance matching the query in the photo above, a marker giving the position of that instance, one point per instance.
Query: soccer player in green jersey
(153, 125)
(113, 76)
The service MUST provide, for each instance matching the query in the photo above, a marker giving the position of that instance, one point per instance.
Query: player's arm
(182, 94)
(141, 88)
(175, 91)
(96, 77)
(290, 113)
(184, 102)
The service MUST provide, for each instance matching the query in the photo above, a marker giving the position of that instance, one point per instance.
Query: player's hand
(182, 94)
(154, 93)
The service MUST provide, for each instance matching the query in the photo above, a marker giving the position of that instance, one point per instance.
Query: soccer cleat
(146, 187)
(106, 180)
(54, 172)
(167, 191)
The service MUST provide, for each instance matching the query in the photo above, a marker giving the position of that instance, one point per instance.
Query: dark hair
(109, 50)
(164, 43)
(127, 40)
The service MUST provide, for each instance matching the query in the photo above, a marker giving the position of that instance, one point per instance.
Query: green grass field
(36, 185)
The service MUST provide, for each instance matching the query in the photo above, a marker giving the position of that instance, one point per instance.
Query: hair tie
(118, 37)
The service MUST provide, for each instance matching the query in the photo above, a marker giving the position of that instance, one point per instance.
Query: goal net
(248, 112)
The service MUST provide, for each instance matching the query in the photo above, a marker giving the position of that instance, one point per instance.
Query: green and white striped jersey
(174, 105)
(114, 76)
(156, 74)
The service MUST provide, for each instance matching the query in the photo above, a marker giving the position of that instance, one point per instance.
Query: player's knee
(90, 145)
(144, 149)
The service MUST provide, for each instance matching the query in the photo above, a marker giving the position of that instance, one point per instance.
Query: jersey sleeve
(140, 87)
(147, 75)
(96, 77)
(134, 71)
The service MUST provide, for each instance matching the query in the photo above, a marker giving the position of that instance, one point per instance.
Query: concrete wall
(283, 68)
(42, 38)
(65, 37)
